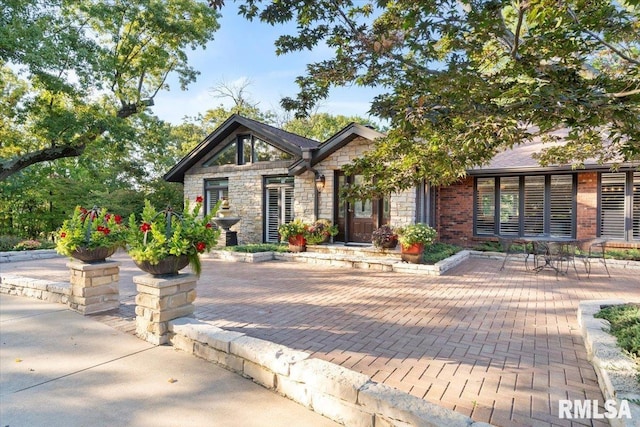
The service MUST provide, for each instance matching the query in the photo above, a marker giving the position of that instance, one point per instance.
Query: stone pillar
(94, 287)
(161, 299)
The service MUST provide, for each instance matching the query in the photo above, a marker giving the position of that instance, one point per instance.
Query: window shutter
(636, 205)
(561, 206)
(272, 214)
(533, 205)
(510, 206)
(612, 216)
(485, 206)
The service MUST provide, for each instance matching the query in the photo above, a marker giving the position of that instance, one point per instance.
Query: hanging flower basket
(170, 265)
(93, 255)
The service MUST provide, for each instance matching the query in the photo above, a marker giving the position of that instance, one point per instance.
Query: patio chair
(593, 249)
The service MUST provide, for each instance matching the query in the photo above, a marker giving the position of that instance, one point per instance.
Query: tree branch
(601, 41)
(9, 167)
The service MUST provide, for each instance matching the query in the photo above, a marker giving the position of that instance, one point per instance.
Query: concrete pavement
(58, 368)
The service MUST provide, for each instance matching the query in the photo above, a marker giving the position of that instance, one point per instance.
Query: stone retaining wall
(15, 256)
(45, 290)
(345, 396)
(616, 372)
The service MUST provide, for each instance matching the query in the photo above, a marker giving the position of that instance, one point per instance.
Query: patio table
(554, 251)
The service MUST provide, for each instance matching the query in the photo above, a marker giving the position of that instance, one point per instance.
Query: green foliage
(321, 126)
(293, 228)
(320, 231)
(625, 326)
(383, 235)
(464, 81)
(8, 243)
(90, 229)
(439, 251)
(628, 254)
(159, 234)
(257, 247)
(84, 67)
(416, 233)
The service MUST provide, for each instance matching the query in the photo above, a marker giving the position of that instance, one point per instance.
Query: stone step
(358, 251)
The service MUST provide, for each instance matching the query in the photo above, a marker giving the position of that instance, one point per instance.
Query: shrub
(439, 251)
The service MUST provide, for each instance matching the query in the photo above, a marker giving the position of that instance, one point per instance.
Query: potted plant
(165, 242)
(295, 233)
(384, 237)
(320, 232)
(413, 238)
(91, 235)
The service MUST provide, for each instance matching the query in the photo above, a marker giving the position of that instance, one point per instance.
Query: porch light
(320, 180)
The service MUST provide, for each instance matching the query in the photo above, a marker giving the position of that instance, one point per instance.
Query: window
(247, 149)
(279, 205)
(620, 205)
(525, 206)
(214, 190)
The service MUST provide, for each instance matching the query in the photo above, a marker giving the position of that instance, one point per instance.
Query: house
(271, 176)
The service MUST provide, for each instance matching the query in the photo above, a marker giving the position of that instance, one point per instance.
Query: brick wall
(587, 205)
(454, 212)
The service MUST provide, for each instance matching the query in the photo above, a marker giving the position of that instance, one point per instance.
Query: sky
(241, 51)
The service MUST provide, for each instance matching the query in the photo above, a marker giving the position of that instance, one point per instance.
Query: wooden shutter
(561, 205)
(636, 206)
(485, 206)
(510, 206)
(534, 205)
(612, 207)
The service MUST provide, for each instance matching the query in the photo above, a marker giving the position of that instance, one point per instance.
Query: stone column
(94, 287)
(161, 299)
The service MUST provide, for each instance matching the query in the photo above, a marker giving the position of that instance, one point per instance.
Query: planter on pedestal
(170, 265)
(93, 255)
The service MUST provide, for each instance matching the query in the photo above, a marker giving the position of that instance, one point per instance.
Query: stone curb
(46, 290)
(15, 256)
(345, 396)
(615, 371)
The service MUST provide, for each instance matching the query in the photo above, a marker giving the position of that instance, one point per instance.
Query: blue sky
(244, 50)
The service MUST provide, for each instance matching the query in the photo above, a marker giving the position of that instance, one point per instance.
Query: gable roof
(284, 140)
(340, 139)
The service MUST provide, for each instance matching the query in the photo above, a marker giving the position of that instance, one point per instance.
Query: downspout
(306, 158)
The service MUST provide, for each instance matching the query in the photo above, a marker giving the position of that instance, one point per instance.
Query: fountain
(225, 222)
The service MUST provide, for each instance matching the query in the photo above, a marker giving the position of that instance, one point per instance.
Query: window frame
(208, 186)
(629, 208)
(522, 203)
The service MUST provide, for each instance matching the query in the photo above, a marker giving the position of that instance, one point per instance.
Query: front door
(357, 219)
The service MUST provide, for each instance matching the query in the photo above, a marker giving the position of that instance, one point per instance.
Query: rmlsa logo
(588, 409)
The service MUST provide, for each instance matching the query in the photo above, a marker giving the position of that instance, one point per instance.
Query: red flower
(145, 227)
(208, 225)
(63, 235)
(105, 230)
(107, 217)
(201, 246)
(118, 219)
(199, 199)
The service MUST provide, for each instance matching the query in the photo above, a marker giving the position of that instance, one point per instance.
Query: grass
(439, 251)
(625, 326)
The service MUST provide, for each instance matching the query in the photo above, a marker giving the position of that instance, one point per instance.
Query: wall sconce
(320, 181)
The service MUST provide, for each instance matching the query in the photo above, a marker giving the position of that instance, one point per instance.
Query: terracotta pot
(297, 243)
(413, 253)
(169, 265)
(93, 255)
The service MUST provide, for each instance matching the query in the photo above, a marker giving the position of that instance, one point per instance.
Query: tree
(72, 71)
(321, 126)
(461, 81)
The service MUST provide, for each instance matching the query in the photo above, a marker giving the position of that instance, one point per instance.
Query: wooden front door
(357, 219)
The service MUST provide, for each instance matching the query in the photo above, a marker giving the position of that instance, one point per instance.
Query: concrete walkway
(500, 346)
(58, 368)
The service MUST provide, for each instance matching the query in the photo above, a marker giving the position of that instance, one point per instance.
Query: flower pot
(93, 255)
(297, 243)
(413, 253)
(387, 244)
(169, 265)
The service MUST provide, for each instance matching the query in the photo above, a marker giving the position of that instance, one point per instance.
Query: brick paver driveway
(501, 346)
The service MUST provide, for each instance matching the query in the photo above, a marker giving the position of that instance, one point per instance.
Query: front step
(356, 251)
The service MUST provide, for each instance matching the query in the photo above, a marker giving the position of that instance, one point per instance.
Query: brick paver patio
(501, 346)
